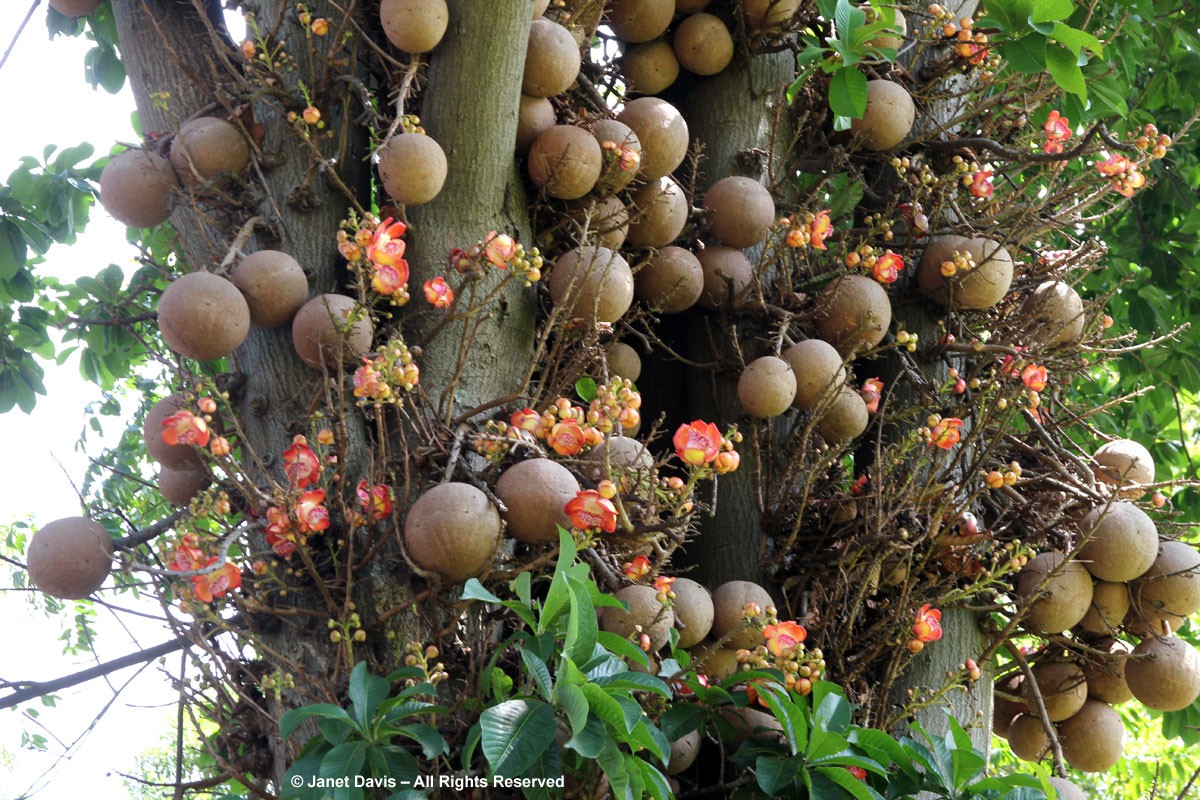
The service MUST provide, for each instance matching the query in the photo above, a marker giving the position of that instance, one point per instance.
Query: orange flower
(662, 585)
(697, 444)
(438, 293)
(819, 229)
(526, 420)
(369, 383)
(499, 248)
(217, 583)
(784, 635)
(301, 464)
(726, 461)
(588, 510)
(389, 279)
(281, 535)
(188, 555)
(566, 437)
(981, 183)
(636, 569)
(376, 501)
(1115, 164)
(871, 392)
(928, 627)
(1058, 130)
(1034, 377)
(386, 247)
(946, 433)
(220, 446)
(311, 515)
(184, 427)
(887, 267)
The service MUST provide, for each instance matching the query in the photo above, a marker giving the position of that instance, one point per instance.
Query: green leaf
(656, 783)
(515, 733)
(789, 716)
(1065, 70)
(842, 777)
(540, 673)
(681, 719)
(635, 681)
(585, 387)
(1009, 16)
(1050, 10)
(367, 691)
(12, 249)
(571, 700)
(345, 759)
(522, 587)
(581, 623)
(1076, 40)
(292, 718)
(774, 773)
(430, 739)
(592, 740)
(1027, 54)
(606, 707)
(474, 590)
(558, 595)
(651, 738)
(848, 93)
(1108, 96)
(622, 647)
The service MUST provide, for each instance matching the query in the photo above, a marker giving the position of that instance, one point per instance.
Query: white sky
(48, 101)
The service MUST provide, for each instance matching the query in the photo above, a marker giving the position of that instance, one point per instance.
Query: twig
(1047, 725)
(239, 241)
(20, 29)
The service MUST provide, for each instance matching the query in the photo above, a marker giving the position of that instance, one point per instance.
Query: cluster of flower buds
(319, 26)
(383, 378)
(419, 655)
(1150, 139)
(969, 45)
(502, 252)
(995, 479)
(1123, 173)
(807, 230)
(352, 627)
(959, 263)
(975, 177)
(783, 649)
(885, 265)
(941, 432)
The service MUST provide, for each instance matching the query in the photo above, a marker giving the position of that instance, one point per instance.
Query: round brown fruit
(703, 44)
(845, 419)
(1125, 463)
(893, 40)
(740, 211)
(727, 275)
(552, 60)
(649, 68)
(853, 313)
(981, 287)
(1027, 738)
(592, 282)
(534, 493)
(690, 6)
(172, 456)
(1093, 739)
(662, 131)
(453, 530)
(1066, 596)
(331, 329)
(274, 285)
(661, 211)
(534, 115)
(1170, 589)
(1004, 711)
(203, 316)
(624, 455)
(715, 663)
(670, 281)
(75, 8)
(623, 361)
(179, 486)
(639, 20)
(683, 752)
(614, 176)
(766, 387)
(646, 614)
(136, 186)
(1063, 688)
(694, 610)
(818, 369)
(1163, 673)
(889, 116)
(207, 147)
(412, 167)
(729, 604)
(604, 221)
(1105, 674)
(1110, 604)
(539, 7)
(69, 558)
(414, 26)
(1066, 789)
(565, 162)
(1123, 542)
(769, 14)
(1057, 310)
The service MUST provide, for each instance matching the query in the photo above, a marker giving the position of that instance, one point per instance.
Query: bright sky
(48, 101)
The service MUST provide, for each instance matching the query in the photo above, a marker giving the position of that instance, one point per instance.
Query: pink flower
(301, 464)
(281, 534)
(526, 420)
(928, 627)
(887, 267)
(376, 502)
(697, 444)
(184, 427)
(1058, 130)
(369, 383)
(311, 515)
(438, 292)
(389, 279)
(588, 510)
(784, 635)
(566, 437)
(1035, 377)
(819, 229)
(217, 583)
(499, 249)
(981, 183)
(386, 247)
(946, 433)
(871, 392)
(636, 569)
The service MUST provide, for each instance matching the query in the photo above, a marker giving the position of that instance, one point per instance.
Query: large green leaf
(515, 733)
(848, 93)
(292, 718)
(367, 691)
(1065, 70)
(581, 623)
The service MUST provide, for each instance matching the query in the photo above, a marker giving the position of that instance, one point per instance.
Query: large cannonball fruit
(1058, 311)
(207, 147)
(203, 316)
(981, 287)
(662, 131)
(649, 68)
(683, 752)
(639, 20)
(740, 211)
(671, 281)
(453, 530)
(413, 168)
(1123, 542)
(1027, 738)
(136, 186)
(623, 361)
(660, 212)
(1170, 589)
(766, 387)
(893, 40)
(75, 8)
(565, 162)
(727, 275)
(1164, 673)
(534, 115)
(1063, 688)
(769, 14)
(703, 44)
(324, 336)
(646, 615)
(853, 313)
(69, 558)
(846, 418)
(1093, 739)
(1004, 710)
(179, 486)
(274, 285)
(888, 118)
(1110, 605)
(818, 368)
(715, 663)
(414, 26)
(1124, 462)
(534, 493)
(1105, 674)
(603, 221)
(592, 282)
(694, 610)
(552, 60)
(614, 177)
(729, 603)
(690, 6)
(1066, 597)
(173, 456)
